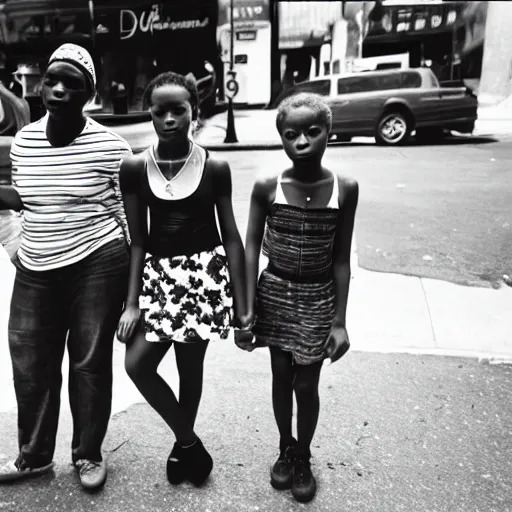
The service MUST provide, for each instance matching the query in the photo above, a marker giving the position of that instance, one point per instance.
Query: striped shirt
(71, 196)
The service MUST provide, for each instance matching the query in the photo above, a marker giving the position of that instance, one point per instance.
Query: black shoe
(304, 483)
(174, 466)
(281, 473)
(197, 463)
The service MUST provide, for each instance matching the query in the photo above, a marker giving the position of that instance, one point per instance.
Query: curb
(241, 146)
(230, 146)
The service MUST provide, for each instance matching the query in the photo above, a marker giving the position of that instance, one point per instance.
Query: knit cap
(77, 56)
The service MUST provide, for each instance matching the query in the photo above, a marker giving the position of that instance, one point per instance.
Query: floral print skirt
(187, 298)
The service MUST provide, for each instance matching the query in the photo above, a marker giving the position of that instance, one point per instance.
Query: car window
(322, 87)
(411, 79)
(379, 82)
(387, 82)
(356, 84)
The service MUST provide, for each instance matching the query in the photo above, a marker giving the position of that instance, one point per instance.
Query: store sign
(246, 35)
(244, 11)
(152, 21)
(255, 12)
(415, 19)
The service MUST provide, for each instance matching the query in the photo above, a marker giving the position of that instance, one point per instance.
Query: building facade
(252, 49)
(131, 41)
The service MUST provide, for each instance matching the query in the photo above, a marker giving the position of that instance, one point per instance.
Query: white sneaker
(92, 473)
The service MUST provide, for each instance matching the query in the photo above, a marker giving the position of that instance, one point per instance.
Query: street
(439, 211)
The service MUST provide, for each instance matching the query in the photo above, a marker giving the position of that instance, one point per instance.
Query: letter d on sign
(129, 16)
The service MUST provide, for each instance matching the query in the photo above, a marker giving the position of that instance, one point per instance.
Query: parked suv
(390, 104)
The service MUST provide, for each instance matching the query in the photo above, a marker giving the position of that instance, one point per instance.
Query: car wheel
(393, 129)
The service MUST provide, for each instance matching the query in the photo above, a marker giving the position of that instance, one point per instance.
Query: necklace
(168, 184)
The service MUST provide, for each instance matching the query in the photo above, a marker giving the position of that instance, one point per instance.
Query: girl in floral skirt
(186, 278)
(305, 218)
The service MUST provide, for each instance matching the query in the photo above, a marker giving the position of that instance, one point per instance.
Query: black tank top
(180, 227)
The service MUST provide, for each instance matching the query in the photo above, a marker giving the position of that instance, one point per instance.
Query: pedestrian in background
(71, 271)
(16, 112)
(184, 275)
(305, 218)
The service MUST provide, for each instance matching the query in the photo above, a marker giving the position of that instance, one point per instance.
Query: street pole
(275, 59)
(230, 129)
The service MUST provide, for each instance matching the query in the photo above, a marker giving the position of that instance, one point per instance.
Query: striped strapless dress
(295, 298)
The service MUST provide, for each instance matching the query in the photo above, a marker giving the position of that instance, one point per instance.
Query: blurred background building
(276, 43)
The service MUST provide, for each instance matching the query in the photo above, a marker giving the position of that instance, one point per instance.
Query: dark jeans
(81, 304)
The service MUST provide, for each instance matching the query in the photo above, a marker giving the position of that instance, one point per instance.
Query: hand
(244, 339)
(127, 323)
(337, 343)
(244, 321)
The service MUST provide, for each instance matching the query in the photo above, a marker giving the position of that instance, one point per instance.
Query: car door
(359, 102)
(347, 103)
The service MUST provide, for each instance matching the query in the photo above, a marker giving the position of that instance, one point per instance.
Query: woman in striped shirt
(71, 270)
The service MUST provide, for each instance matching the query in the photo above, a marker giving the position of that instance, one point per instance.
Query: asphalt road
(438, 211)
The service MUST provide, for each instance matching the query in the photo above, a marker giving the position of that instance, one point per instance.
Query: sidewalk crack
(429, 313)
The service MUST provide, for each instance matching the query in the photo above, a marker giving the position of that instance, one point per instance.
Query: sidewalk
(396, 433)
(256, 129)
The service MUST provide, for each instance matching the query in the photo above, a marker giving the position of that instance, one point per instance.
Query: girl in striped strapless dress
(304, 218)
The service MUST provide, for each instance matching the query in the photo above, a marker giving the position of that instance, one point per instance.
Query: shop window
(321, 87)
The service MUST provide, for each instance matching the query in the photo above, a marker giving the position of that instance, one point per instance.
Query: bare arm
(343, 244)
(136, 215)
(231, 239)
(338, 342)
(255, 231)
(10, 199)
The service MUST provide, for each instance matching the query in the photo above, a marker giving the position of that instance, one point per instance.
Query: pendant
(168, 188)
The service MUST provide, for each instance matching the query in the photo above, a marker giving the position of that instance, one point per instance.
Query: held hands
(127, 323)
(243, 335)
(337, 343)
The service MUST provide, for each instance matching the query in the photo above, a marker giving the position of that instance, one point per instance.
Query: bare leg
(141, 362)
(283, 372)
(308, 402)
(190, 363)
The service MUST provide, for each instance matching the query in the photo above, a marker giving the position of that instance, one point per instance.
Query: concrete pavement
(396, 433)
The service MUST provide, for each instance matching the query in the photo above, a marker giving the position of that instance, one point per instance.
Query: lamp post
(233, 89)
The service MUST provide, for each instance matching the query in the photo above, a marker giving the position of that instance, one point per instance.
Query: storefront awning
(36, 7)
